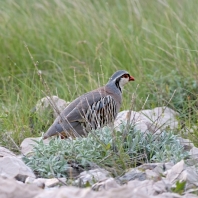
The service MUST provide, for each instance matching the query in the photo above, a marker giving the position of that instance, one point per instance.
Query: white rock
(133, 174)
(10, 188)
(5, 152)
(72, 192)
(54, 182)
(146, 171)
(189, 195)
(150, 174)
(49, 182)
(146, 186)
(51, 103)
(12, 167)
(139, 189)
(28, 144)
(40, 182)
(186, 143)
(168, 195)
(105, 184)
(162, 167)
(182, 172)
(92, 176)
(194, 153)
(29, 180)
(173, 174)
(191, 176)
(154, 120)
(162, 186)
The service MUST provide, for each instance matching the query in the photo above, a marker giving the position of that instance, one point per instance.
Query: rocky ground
(166, 180)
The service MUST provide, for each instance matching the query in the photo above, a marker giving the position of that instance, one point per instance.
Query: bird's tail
(53, 130)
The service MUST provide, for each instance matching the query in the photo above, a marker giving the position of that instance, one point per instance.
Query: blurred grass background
(79, 44)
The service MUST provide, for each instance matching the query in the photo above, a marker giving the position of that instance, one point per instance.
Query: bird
(92, 110)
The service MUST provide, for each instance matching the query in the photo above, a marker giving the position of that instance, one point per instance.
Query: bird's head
(120, 78)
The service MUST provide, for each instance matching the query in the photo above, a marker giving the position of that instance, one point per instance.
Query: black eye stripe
(125, 76)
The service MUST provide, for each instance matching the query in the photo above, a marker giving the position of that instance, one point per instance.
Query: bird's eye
(125, 76)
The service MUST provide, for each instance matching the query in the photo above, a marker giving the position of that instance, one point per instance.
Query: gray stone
(133, 174)
(145, 171)
(42, 182)
(186, 143)
(189, 195)
(193, 153)
(155, 120)
(182, 172)
(174, 173)
(72, 192)
(53, 103)
(150, 174)
(157, 167)
(162, 186)
(169, 195)
(28, 144)
(105, 184)
(91, 177)
(5, 152)
(10, 188)
(12, 167)
(29, 180)
(145, 187)
(135, 188)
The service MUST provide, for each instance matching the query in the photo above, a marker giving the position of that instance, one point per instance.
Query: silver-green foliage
(106, 148)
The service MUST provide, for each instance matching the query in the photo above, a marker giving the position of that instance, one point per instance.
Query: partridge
(92, 110)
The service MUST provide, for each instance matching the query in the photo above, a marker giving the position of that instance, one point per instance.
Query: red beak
(131, 78)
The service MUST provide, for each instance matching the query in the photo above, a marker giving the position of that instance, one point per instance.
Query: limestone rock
(73, 192)
(42, 182)
(186, 143)
(5, 152)
(155, 120)
(140, 189)
(169, 195)
(10, 188)
(145, 171)
(146, 186)
(133, 174)
(105, 184)
(194, 153)
(28, 144)
(193, 160)
(53, 103)
(12, 167)
(157, 167)
(29, 180)
(174, 173)
(91, 177)
(135, 188)
(182, 172)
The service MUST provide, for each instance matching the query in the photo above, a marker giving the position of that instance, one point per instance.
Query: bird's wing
(76, 111)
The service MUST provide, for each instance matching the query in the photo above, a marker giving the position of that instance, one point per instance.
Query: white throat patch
(123, 81)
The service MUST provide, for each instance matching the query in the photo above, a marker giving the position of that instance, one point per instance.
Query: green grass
(80, 43)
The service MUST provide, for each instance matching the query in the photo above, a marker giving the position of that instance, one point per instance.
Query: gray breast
(99, 114)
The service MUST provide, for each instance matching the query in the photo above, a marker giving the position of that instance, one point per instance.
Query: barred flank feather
(100, 113)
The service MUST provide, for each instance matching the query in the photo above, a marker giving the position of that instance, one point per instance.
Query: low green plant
(179, 188)
(107, 148)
